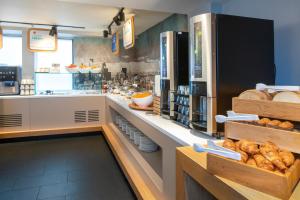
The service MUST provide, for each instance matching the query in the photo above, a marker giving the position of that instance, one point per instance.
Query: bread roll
(286, 125)
(263, 121)
(289, 97)
(273, 123)
(255, 95)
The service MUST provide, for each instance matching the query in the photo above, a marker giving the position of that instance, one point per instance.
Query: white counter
(178, 133)
(49, 96)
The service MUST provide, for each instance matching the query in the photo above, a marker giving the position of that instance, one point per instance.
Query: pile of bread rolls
(266, 156)
(286, 125)
(286, 96)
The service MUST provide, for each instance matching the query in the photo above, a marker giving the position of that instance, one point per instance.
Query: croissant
(263, 163)
(244, 155)
(273, 156)
(237, 145)
(251, 162)
(229, 144)
(270, 146)
(249, 147)
(287, 157)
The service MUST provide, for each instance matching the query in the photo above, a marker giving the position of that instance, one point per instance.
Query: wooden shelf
(44, 132)
(152, 158)
(150, 162)
(289, 140)
(277, 110)
(131, 168)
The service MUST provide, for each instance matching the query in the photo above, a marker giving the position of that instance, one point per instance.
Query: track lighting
(53, 31)
(105, 33)
(122, 16)
(109, 30)
(117, 20)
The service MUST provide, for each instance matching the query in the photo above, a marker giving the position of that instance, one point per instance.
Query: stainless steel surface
(208, 51)
(207, 46)
(169, 36)
(10, 80)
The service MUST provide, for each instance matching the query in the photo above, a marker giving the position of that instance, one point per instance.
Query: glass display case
(67, 83)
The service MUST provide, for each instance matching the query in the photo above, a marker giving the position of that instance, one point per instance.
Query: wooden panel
(278, 110)
(269, 182)
(289, 140)
(194, 164)
(129, 167)
(43, 132)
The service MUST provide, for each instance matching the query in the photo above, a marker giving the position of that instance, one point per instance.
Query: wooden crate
(275, 184)
(278, 110)
(288, 140)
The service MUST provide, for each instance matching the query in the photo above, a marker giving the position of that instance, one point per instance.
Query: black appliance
(228, 55)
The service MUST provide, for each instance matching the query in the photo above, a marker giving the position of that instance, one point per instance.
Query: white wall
(27, 59)
(286, 16)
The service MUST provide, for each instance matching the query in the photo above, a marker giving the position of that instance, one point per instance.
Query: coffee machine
(10, 80)
(173, 68)
(228, 55)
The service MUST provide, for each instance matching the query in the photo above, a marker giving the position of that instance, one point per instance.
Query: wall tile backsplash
(143, 58)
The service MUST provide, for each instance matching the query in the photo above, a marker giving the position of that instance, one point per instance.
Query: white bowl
(143, 102)
(72, 70)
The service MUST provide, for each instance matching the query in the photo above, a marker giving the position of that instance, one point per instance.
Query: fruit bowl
(143, 100)
(72, 68)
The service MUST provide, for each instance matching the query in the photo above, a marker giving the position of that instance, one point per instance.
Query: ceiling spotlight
(53, 31)
(122, 16)
(105, 33)
(117, 20)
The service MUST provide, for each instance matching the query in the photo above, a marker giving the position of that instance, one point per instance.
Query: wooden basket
(278, 110)
(288, 140)
(275, 184)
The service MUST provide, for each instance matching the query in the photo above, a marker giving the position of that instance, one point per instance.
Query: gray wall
(286, 16)
(143, 57)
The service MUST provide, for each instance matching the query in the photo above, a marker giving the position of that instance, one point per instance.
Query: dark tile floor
(73, 168)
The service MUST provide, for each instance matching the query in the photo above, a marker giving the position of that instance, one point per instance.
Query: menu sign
(1, 38)
(128, 33)
(115, 47)
(40, 40)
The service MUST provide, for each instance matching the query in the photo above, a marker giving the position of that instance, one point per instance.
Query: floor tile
(79, 168)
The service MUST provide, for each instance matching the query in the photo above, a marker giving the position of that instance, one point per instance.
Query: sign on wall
(115, 46)
(128, 33)
(39, 40)
(1, 38)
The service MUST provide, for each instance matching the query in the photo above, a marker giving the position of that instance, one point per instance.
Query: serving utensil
(240, 117)
(217, 150)
(275, 88)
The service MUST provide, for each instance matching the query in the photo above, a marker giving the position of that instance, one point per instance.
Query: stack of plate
(133, 130)
(137, 135)
(129, 129)
(147, 145)
(124, 126)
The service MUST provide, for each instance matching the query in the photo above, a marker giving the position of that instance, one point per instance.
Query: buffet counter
(183, 136)
(37, 115)
(151, 175)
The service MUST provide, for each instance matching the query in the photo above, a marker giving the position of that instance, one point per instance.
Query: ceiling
(94, 17)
